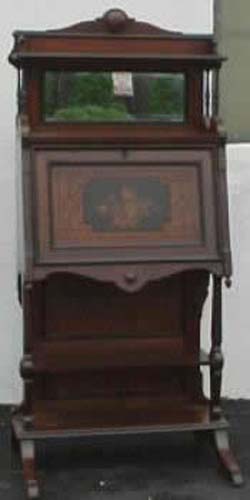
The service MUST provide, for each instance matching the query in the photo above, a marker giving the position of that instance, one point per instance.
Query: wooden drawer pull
(130, 277)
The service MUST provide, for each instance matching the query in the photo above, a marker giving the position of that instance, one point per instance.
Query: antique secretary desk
(125, 221)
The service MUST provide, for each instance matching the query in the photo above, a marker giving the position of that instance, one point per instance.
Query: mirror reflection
(113, 96)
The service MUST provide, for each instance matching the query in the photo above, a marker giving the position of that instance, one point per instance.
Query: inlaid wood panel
(111, 206)
(93, 205)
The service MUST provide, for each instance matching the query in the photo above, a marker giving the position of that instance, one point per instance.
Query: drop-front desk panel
(99, 206)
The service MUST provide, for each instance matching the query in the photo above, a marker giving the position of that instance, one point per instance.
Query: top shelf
(97, 39)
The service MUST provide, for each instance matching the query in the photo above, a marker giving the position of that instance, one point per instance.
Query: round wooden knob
(130, 277)
(116, 20)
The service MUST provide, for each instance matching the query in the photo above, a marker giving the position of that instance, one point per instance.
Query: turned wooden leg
(27, 448)
(216, 357)
(27, 369)
(226, 456)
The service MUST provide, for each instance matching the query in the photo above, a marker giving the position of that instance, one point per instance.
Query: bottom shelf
(114, 416)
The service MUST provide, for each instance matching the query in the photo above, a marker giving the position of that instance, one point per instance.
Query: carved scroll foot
(32, 489)
(15, 452)
(226, 457)
(27, 448)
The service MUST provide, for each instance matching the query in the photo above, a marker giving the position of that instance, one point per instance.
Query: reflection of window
(85, 96)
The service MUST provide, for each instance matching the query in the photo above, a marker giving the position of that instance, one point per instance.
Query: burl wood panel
(178, 214)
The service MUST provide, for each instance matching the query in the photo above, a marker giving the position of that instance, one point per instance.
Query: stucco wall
(233, 34)
(194, 15)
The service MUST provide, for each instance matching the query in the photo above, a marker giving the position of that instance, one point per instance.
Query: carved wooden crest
(115, 21)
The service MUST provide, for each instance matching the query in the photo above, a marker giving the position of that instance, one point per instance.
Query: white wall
(236, 313)
(189, 16)
(236, 320)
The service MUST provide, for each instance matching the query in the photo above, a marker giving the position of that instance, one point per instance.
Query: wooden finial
(116, 20)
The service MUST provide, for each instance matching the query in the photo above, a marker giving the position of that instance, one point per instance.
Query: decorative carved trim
(25, 125)
(217, 359)
(130, 277)
(27, 367)
(198, 298)
(115, 21)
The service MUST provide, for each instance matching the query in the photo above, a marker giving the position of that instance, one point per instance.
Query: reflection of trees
(58, 89)
(64, 88)
(159, 95)
(51, 92)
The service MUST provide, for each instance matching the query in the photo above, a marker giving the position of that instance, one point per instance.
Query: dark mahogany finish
(113, 287)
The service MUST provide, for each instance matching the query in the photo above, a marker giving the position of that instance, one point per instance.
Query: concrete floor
(171, 467)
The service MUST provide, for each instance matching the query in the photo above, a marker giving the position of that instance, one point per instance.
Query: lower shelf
(109, 416)
(200, 412)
